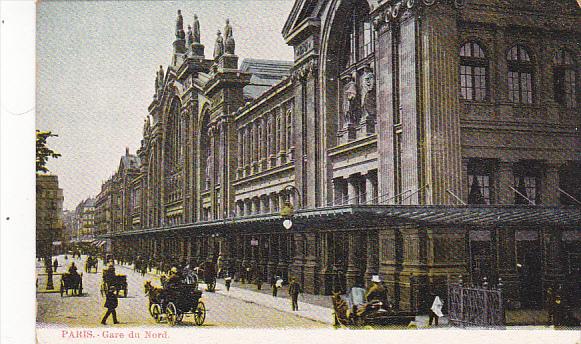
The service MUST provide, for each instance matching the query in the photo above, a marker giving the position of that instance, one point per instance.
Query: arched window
(269, 138)
(360, 35)
(473, 72)
(289, 130)
(520, 75)
(564, 79)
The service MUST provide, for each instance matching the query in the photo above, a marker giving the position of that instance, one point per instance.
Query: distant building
(49, 215)
(84, 221)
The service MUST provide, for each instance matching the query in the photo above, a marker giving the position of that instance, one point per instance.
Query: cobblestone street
(87, 310)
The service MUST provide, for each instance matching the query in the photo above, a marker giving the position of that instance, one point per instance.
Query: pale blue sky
(96, 64)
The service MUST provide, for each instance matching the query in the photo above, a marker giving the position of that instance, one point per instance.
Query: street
(87, 310)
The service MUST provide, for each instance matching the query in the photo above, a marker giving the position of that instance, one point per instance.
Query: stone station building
(417, 140)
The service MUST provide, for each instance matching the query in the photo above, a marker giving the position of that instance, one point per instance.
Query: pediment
(302, 9)
(305, 9)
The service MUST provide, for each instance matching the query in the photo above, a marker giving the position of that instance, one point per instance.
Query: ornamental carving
(401, 10)
(305, 70)
(368, 93)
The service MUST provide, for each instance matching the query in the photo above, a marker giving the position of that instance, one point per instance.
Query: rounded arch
(332, 60)
(472, 52)
(519, 52)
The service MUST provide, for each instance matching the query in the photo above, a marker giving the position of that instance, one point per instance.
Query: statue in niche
(230, 44)
(350, 97)
(208, 164)
(196, 28)
(368, 93)
(218, 46)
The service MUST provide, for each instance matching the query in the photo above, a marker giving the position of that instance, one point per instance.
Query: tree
(43, 153)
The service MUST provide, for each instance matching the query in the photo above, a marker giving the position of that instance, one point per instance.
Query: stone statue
(230, 44)
(350, 96)
(218, 46)
(189, 37)
(227, 30)
(368, 92)
(197, 36)
(160, 78)
(180, 26)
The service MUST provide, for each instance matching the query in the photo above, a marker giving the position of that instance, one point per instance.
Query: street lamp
(288, 210)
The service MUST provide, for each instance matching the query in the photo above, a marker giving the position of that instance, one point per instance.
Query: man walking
(294, 289)
(55, 264)
(111, 304)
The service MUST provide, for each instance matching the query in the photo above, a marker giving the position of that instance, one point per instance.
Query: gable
(301, 10)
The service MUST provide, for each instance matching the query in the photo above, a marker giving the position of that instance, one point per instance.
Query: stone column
(272, 257)
(352, 272)
(272, 200)
(283, 147)
(550, 190)
(371, 188)
(372, 265)
(282, 266)
(505, 180)
(352, 190)
(253, 206)
(465, 181)
(326, 273)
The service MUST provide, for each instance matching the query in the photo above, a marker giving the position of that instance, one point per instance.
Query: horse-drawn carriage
(117, 281)
(73, 282)
(91, 263)
(207, 275)
(174, 302)
(353, 312)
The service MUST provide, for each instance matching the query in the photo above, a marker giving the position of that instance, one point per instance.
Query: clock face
(287, 224)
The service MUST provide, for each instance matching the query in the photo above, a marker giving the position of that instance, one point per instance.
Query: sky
(96, 64)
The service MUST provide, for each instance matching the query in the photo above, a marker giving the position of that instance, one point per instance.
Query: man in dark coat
(111, 303)
(294, 289)
(55, 264)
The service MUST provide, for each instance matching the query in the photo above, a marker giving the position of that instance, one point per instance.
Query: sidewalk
(282, 301)
(315, 307)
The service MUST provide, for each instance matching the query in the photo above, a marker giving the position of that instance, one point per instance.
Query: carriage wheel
(125, 292)
(171, 311)
(200, 313)
(179, 317)
(155, 311)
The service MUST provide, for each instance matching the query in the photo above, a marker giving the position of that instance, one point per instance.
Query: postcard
(293, 170)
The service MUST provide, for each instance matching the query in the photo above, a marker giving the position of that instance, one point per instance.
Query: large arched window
(360, 35)
(564, 79)
(473, 72)
(520, 75)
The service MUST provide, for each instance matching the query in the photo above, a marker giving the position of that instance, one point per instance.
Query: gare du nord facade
(417, 140)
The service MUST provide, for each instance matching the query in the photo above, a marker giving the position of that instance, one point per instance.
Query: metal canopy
(370, 215)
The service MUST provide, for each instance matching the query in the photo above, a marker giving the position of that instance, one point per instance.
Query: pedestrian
(259, 281)
(559, 311)
(55, 264)
(228, 281)
(274, 286)
(436, 311)
(111, 304)
(294, 289)
(549, 302)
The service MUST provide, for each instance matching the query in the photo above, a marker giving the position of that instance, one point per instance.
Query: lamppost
(288, 210)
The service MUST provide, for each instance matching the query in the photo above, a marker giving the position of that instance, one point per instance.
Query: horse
(154, 293)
